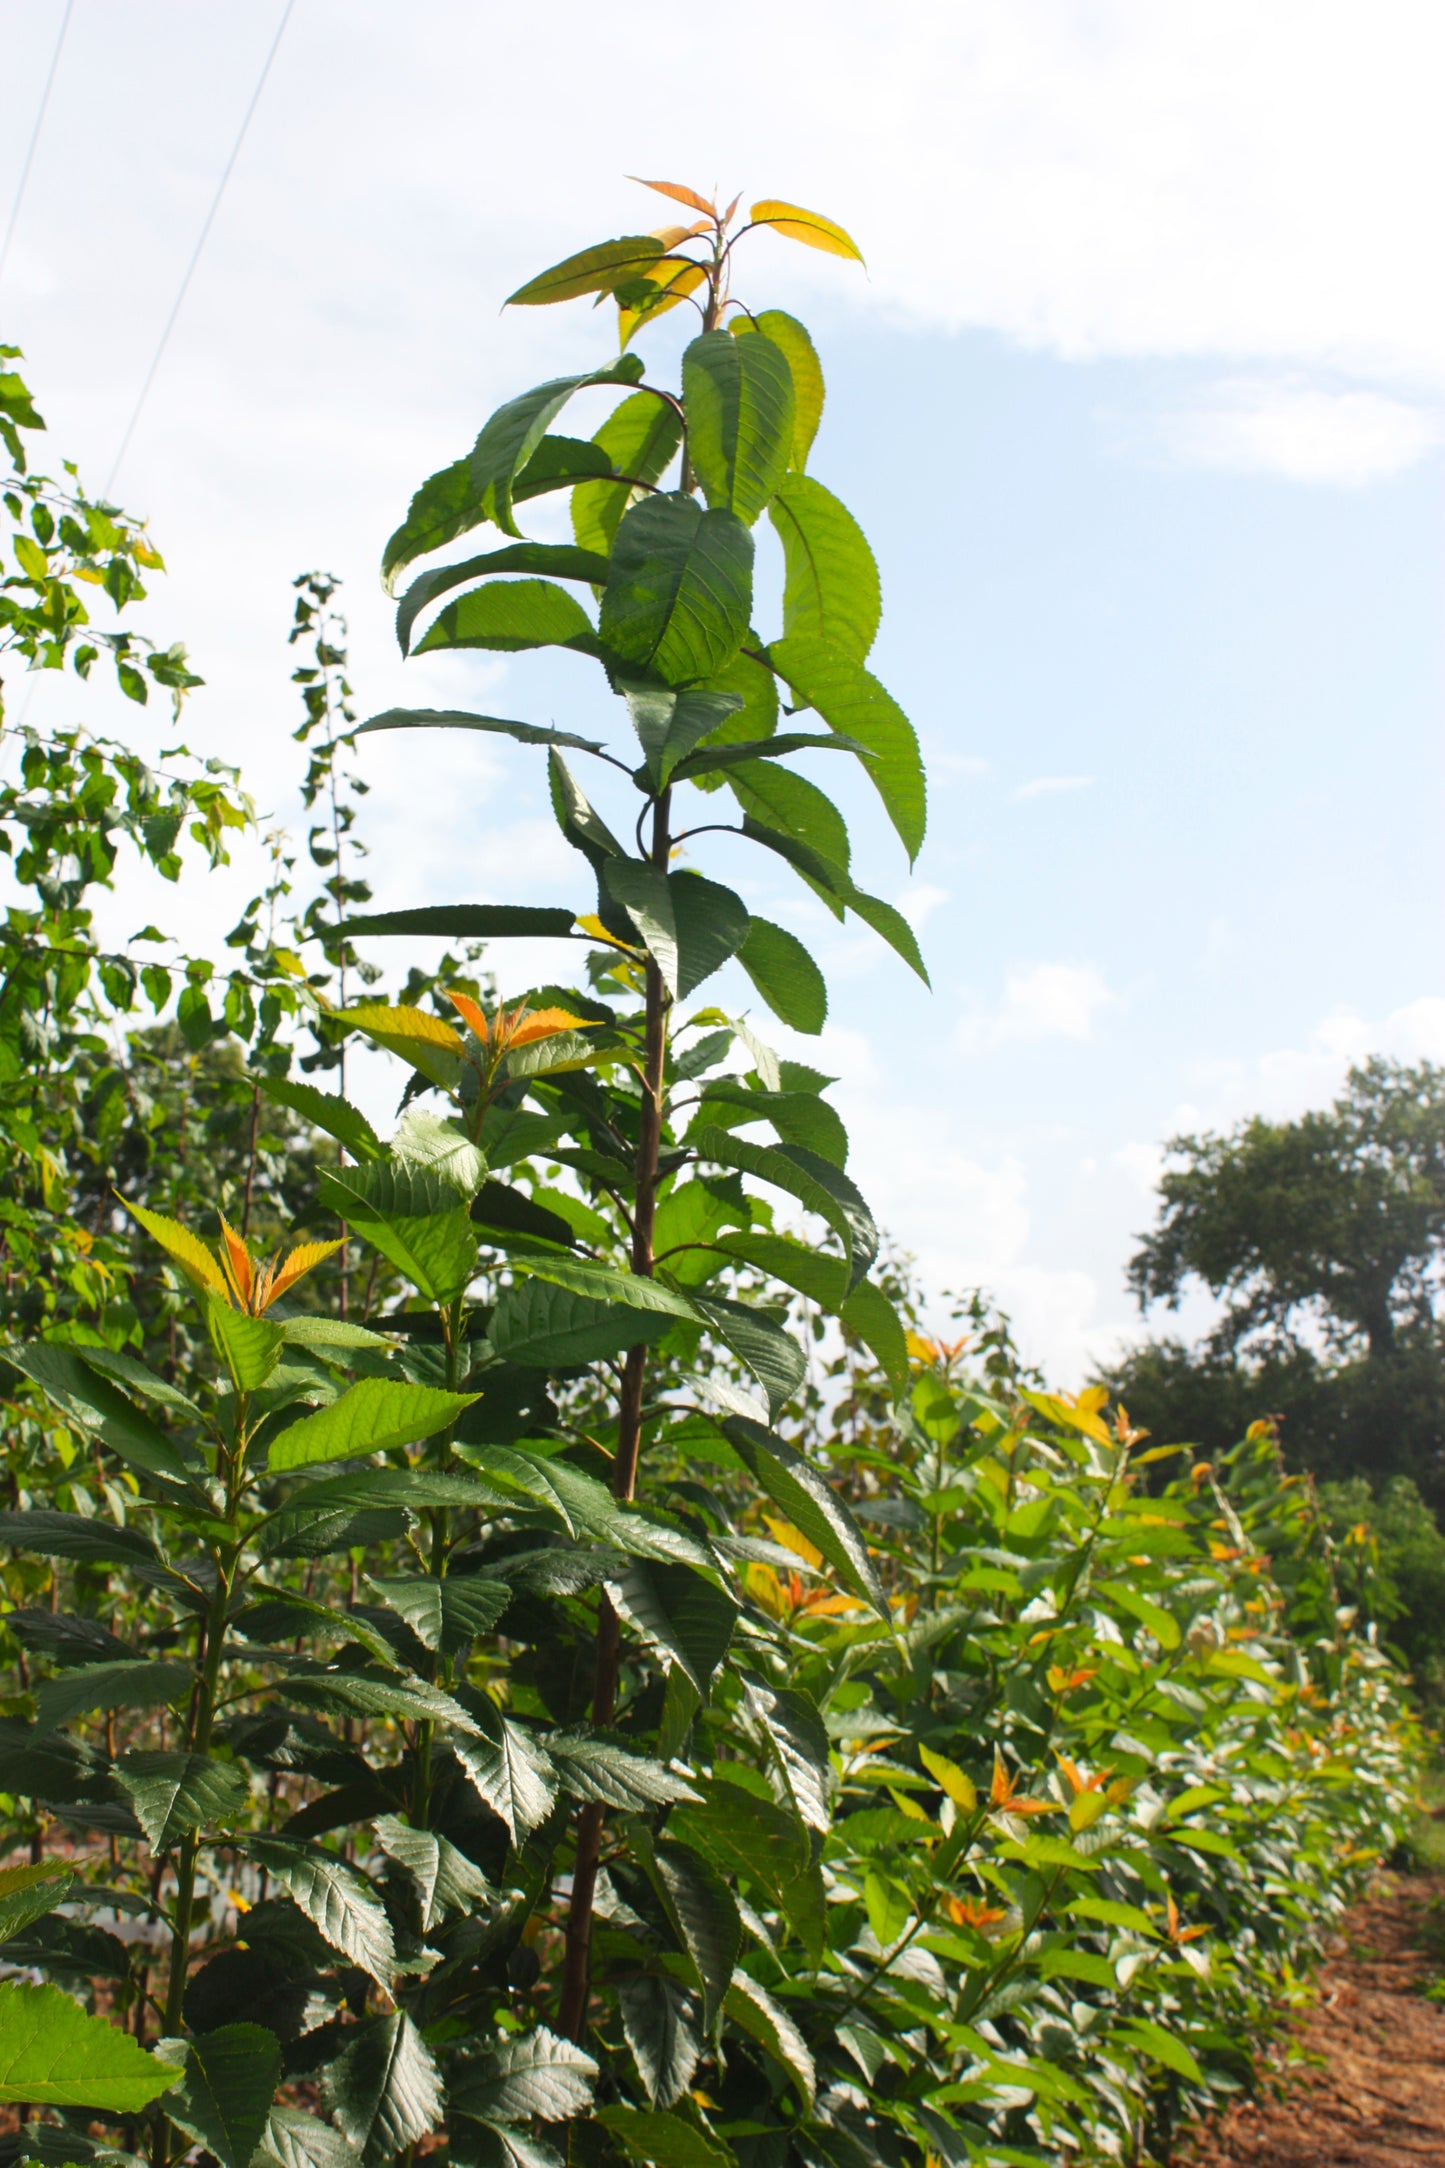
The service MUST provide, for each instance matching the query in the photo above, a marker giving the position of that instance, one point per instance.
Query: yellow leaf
(425, 1041)
(189, 1252)
(953, 1782)
(302, 1260)
(763, 1585)
(807, 226)
(922, 1350)
(593, 925)
(1086, 1809)
(678, 193)
(674, 279)
(911, 1808)
(784, 1532)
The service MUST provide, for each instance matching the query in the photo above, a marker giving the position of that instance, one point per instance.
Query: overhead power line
(34, 140)
(190, 272)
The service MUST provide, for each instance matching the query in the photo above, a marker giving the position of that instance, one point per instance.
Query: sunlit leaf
(807, 226)
(597, 270)
(739, 399)
(54, 2055)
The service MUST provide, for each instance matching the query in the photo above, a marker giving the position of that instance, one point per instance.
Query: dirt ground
(1373, 2093)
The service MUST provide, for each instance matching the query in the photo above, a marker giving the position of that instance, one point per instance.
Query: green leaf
(146, 1685)
(704, 1917)
(484, 485)
(347, 1690)
(250, 1347)
(785, 975)
(645, 895)
(339, 1902)
(830, 589)
(535, 2073)
(652, 2134)
(384, 2091)
(507, 618)
(28, 1893)
(815, 1273)
(331, 1335)
(370, 1417)
(561, 559)
(717, 759)
(638, 1601)
(595, 1765)
(738, 394)
(780, 800)
(744, 1835)
(93, 1405)
(851, 700)
(53, 2055)
(172, 1794)
(446, 1614)
(679, 595)
(869, 1314)
(459, 719)
(115, 1363)
(509, 1769)
(818, 1186)
(325, 1110)
(584, 829)
(608, 1283)
(771, 1354)
(294, 2140)
(795, 1731)
(40, 1765)
(712, 924)
(893, 927)
(786, 332)
(225, 2096)
(548, 1327)
(501, 2145)
(669, 724)
(1161, 1623)
(504, 1210)
(665, 2047)
(811, 1504)
(641, 438)
(753, 2010)
(77, 1535)
(433, 1243)
(446, 1881)
(1163, 2047)
(799, 1117)
(597, 270)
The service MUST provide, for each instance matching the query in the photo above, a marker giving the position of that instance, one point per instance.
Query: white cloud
(918, 903)
(1301, 432)
(1049, 1001)
(1285, 1081)
(1052, 786)
(1141, 1163)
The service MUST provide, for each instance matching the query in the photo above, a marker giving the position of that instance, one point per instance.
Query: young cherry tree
(664, 498)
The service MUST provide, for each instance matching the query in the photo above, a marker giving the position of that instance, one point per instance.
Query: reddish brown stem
(577, 1970)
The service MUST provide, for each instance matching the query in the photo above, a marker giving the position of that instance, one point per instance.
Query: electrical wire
(190, 273)
(34, 140)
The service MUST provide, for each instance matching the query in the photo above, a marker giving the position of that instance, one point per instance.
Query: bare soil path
(1373, 2093)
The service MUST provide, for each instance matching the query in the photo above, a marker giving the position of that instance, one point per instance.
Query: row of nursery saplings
(990, 1837)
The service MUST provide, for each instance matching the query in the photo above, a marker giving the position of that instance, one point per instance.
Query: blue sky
(1140, 405)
